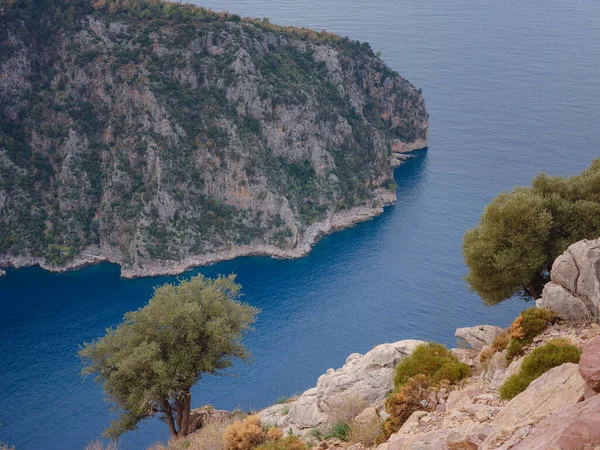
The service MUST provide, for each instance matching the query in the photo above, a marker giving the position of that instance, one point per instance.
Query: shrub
(346, 408)
(339, 430)
(244, 435)
(405, 401)
(526, 326)
(434, 361)
(538, 362)
(274, 434)
(287, 443)
(365, 431)
(501, 341)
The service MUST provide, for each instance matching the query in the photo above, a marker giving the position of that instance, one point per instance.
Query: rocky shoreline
(95, 255)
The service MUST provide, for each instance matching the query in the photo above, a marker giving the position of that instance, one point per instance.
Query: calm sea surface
(512, 87)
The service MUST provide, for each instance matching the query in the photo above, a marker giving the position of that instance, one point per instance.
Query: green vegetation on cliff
(521, 233)
(152, 131)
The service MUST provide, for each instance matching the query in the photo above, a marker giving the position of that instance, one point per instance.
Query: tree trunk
(184, 414)
(168, 412)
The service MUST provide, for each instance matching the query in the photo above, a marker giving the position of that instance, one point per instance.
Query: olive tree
(148, 364)
(521, 233)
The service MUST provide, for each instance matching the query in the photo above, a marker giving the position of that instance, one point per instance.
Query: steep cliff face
(160, 136)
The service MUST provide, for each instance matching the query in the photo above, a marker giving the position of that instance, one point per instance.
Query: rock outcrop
(574, 428)
(589, 364)
(160, 136)
(558, 388)
(363, 380)
(479, 336)
(574, 292)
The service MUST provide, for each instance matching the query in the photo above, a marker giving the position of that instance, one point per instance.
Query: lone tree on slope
(148, 364)
(521, 233)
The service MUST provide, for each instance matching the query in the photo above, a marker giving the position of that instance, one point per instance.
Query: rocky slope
(161, 136)
(559, 410)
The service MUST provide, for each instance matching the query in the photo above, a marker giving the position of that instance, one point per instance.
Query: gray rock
(479, 336)
(572, 428)
(364, 379)
(558, 388)
(574, 292)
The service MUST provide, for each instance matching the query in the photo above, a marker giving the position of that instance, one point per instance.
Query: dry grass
(95, 445)
(501, 341)
(365, 431)
(209, 437)
(345, 408)
(274, 433)
(244, 435)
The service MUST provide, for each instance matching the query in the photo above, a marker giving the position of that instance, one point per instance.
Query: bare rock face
(589, 364)
(573, 428)
(558, 388)
(364, 379)
(574, 292)
(479, 336)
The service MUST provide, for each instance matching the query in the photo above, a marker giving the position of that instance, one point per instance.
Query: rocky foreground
(558, 410)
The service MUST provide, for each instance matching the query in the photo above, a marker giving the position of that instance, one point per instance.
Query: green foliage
(434, 361)
(286, 443)
(148, 363)
(339, 430)
(96, 179)
(538, 362)
(526, 326)
(428, 367)
(521, 233)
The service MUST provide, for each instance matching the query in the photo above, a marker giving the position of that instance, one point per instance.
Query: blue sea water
(512, 88)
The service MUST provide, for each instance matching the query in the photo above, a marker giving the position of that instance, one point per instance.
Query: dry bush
(274, 434)
(209, 437)
(244, 435)
(366, 430)
(94, 445)
(345, 408)
(485, 355)
(404, 402)
(529, 324)
(501, 341)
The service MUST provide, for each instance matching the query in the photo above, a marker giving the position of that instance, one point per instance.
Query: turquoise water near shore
(512, 89)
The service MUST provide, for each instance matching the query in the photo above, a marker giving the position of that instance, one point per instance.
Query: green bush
(526, 326)
(434, 361)
(538, 362)
(286, 443)
(339, 430)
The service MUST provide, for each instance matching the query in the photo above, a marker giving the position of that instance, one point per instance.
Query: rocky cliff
(162, 136)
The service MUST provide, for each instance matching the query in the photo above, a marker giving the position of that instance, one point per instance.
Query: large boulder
(574, 292)
(479, 336)
(573, 428)
(364, 379)
(560, 387)
(589, 364)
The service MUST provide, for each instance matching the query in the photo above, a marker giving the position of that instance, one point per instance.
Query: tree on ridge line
(521, 233)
